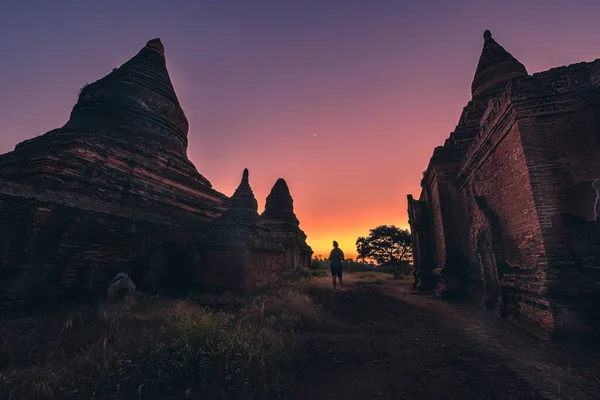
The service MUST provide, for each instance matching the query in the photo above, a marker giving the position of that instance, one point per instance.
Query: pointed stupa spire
(243, 197)
(280, 204)
(136, 99)
(495, 68)
(281, 187)
(156, 45)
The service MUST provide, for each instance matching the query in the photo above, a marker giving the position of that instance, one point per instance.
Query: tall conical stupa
(125, 142)
(243, 197)
(280, 217)
(495, 68)
(135, 100)
(113, 191)
(243, 207)
(279, 206)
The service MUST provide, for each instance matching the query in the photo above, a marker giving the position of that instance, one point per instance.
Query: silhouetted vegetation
(389, 246)
(295, 340)
(173, 348)
(348, 265)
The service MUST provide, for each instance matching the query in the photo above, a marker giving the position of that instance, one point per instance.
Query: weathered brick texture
(113, 191)
(519, 216)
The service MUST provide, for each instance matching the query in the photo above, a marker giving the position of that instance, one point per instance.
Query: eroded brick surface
(515, 189)
(113, 191)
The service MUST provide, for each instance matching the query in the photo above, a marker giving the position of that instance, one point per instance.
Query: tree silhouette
(362, 249)
(387, 245)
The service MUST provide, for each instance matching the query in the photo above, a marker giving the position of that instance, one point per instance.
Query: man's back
(336, 256)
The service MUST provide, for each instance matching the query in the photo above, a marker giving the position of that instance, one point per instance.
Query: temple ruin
(508, 210)
(113, 191)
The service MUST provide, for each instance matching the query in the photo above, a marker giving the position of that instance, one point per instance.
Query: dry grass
(284, 309)
(298, 336)
(352, 279)
(176, 348)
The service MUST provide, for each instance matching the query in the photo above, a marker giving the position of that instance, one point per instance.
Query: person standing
(336, 257)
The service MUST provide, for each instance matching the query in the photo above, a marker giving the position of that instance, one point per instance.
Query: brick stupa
(113, 191)
(279, 207)
(280, 217)
(244, 252)
(125, 142)
(495, 68)
(507, 213)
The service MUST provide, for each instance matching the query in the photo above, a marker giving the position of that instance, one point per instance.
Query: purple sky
(379, 82)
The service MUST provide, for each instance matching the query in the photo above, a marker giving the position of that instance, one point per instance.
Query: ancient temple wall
(295, 258)
(54, 247)
(237, 269)
(505, 231)
(459, 252)
(483, 279)
(113, 191)
(422, 249)
(528, 192)
(444, 220)
(452, 276)
(438, 225)
(114, 171)
(263, 268)
(416, 221)
(422, 227)
(422, 236)
(223, 269)
(560, 129)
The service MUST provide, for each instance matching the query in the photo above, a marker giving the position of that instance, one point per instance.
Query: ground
(405, 346)
(303, 340)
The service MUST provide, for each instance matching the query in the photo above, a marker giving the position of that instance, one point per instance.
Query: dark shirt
(336, 256)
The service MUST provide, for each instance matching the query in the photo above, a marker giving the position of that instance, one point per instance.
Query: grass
(276, 343)
(175, 348)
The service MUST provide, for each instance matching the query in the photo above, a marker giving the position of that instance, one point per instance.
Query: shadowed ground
(395, 345)
(296, 340)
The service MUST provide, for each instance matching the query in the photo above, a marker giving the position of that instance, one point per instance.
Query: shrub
(316, 264)
(283, 309)
(301, 273)
(319, 273)
(173, 348)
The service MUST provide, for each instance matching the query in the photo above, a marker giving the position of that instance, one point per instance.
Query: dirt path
(394, 345)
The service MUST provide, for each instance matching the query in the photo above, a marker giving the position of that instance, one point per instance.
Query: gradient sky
(345, 99)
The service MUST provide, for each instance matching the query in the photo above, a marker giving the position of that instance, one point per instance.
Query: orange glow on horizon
(345, 103)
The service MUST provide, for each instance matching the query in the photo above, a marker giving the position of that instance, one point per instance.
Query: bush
(301, 273)
(173, 348)
(316, 264)
(282, 310)
(319, 273)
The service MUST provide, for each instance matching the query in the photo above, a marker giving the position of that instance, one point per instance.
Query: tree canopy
(387, 245)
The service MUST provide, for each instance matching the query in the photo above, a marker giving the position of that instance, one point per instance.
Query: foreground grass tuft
(174, 348)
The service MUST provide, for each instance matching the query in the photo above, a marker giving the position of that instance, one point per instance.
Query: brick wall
(560, 134)
(438, 226)
(58, 247)
(502, 181)
(505, 233)
(518, 223)
(54, 249)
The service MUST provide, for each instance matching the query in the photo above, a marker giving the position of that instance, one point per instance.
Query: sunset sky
(345, 99)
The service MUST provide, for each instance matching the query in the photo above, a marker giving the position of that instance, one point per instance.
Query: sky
(345, 99)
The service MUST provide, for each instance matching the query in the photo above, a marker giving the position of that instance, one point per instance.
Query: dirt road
(396, 345)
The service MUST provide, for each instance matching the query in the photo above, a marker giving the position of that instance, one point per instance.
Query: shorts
(336, 270)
